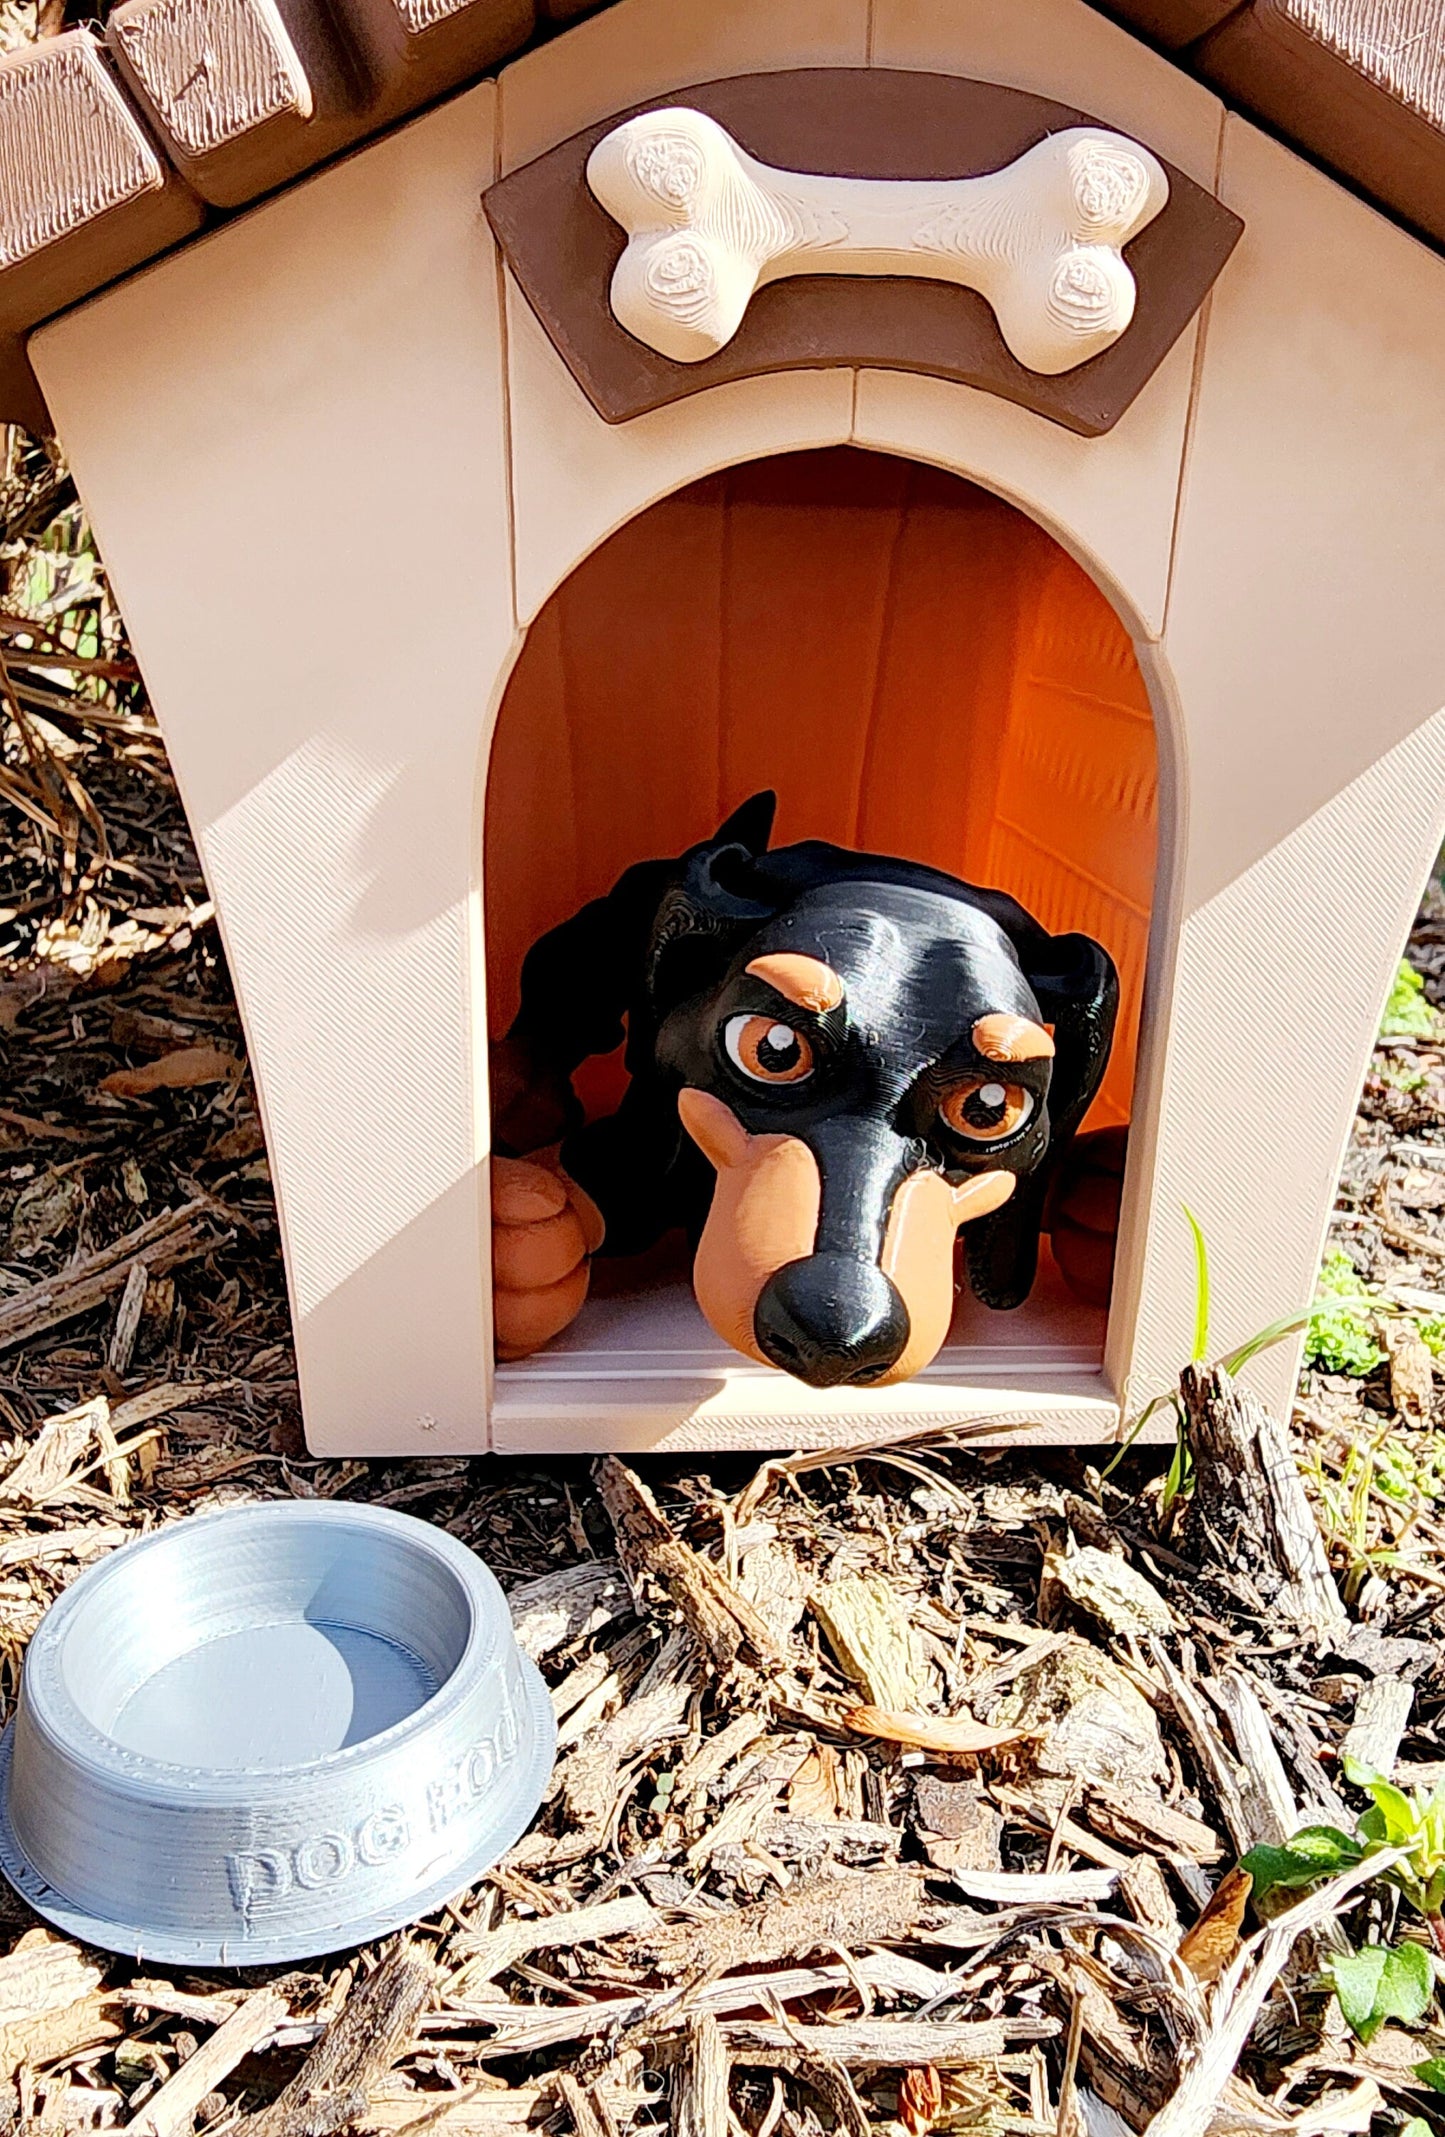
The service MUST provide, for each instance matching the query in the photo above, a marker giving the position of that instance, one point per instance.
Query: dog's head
(871, 1054)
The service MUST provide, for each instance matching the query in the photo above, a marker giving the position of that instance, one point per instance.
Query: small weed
(1345, 1505)
(1408, 1013)
(1340, 1335)
(1379, 1981)
(1402, 1076)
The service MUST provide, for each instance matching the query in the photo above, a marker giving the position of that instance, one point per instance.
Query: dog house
(514, 443)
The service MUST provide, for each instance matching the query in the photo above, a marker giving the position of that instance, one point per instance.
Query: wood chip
(1381, 1714)
(1109, 1589)
(43, 1973)
(1089, 1719)
(721, 1621)
(128, 1319)
(1249, 1504)
(872, 1634)
(162, 1243)
(1267, 1807)
(1037, 1887)
(57, 1449)
(171, 2112)
(958, 1735)
(700, 2092)
(372, 2029)
(495, 1950)
(561, 1607)
(884, 2043)
(878, 1908)
(182, 1070)
(1210, 1945)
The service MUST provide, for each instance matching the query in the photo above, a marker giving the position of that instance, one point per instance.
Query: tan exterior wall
(344, 367)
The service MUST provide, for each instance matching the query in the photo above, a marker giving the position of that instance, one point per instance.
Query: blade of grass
(1264, 1339)
(1136, 1426)
(1201, 1290)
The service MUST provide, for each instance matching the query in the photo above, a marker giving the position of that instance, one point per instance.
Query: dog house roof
(114, 147)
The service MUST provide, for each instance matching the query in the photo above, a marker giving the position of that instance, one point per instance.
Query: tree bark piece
(1249, 1503)
(1381, 1712)
(1224, 1776)
(128, 1318)
(701, 2093)
(492, 1951)
(582, 2107)
(375, 2026)
(873, 1636)
(878, 2043)
(721, 1621)
(161, 1243)
(1267, 1799)
(876, 1907)
(171, 2112)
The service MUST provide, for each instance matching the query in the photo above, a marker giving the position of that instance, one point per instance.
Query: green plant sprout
(1340, 1334)
(1378, 1981)
(1181, 1469)
(1408, 1012)
(1401, 1076)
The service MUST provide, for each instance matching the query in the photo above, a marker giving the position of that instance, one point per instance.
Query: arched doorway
(912, 663)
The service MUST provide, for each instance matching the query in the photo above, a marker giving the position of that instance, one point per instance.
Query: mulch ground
(902, 1790)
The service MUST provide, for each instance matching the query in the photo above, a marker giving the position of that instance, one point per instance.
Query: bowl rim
(48, 1708)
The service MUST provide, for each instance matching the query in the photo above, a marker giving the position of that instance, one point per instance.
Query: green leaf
(1341, 1339)
(1381, 1982)
(1398, 1822)
(1314, 1852)
(1432, 2072)
(1417, 2126)
(1201, 1290)
(1408, 1014)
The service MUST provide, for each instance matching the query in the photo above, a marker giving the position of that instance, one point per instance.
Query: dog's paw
(544, 1229)
(1084, 1206)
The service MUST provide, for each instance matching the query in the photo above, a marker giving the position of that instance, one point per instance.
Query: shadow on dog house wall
(345, 473)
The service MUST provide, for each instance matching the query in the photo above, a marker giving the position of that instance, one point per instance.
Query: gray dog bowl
(270, 1733)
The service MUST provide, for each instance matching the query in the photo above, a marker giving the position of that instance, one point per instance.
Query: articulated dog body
(835, 1060)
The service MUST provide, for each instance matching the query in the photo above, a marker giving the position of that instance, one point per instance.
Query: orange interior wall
(913, 664)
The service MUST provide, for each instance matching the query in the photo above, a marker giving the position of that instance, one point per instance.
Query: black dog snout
(831, 1320)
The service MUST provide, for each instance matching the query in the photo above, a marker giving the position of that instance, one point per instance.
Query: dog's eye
(766, 1051)
(983, 1111)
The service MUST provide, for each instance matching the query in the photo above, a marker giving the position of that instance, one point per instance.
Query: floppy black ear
(580, 979)
(711, 907)
(1077, 989)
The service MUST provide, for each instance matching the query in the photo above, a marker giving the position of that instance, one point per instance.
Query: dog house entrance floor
(647, 1371)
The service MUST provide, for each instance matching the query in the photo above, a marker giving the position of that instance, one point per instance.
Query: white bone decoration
(708, 224)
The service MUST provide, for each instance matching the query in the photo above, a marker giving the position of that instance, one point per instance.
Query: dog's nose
(831, 1320)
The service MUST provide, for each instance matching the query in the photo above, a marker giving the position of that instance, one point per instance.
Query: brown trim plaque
(851, 122)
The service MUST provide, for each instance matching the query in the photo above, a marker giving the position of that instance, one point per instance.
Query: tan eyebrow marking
(804, 980)
(1005, 1038)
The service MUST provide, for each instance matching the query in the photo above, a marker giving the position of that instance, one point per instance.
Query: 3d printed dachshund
(835, 1060)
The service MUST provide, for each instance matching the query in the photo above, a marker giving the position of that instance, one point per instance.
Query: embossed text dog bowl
(268, 1733)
